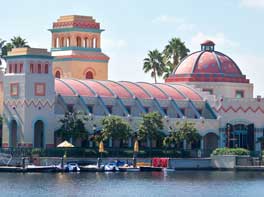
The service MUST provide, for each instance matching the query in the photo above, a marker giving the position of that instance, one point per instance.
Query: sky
(133, 27)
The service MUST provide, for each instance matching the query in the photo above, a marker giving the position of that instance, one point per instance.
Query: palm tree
(154, 64)
(174, 52)
(18, 42)
(2, 43)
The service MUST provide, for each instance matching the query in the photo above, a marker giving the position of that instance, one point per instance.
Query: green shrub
(230, 151)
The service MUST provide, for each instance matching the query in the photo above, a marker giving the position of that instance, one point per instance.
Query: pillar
(258, 134)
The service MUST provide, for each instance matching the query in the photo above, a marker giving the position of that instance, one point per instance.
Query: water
(182, 183)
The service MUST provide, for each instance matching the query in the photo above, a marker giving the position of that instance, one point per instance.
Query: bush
(230, 151)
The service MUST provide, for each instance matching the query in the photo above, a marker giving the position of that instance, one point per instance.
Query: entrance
(13, 134)
(39, 134)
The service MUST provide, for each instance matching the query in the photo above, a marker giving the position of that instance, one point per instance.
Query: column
(110, 142)
(202, 144)
(129, 142)
(258, 133)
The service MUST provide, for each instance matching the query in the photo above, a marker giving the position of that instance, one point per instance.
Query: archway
(89, 75)
(13, 134)
(210, 142)
(39, 134)
(57, 74)
(79, 41)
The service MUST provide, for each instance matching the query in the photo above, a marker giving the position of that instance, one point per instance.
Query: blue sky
(132, 27)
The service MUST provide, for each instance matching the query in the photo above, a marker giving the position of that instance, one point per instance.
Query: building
(207, 88)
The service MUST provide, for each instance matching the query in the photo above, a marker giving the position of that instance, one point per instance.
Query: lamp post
(136, 150)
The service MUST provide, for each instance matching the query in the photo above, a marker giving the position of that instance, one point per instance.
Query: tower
(76, 46)
(29, 98)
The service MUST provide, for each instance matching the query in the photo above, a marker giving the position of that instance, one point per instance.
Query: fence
(109, 152)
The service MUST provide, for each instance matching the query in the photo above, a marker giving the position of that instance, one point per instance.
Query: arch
(13, 133)
(39, 134)
(89, 75)
(68, 42)
(94, 43)
(78, 41)
(210, 141)
(62, 42)
(58, 74)
(57, 43)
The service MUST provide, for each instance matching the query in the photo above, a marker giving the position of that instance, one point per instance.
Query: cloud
(219, 39)
(252, 3)
(167, 19)
(179, 23)
(111, 43)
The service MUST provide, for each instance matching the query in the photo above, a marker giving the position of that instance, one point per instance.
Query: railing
(109, 152)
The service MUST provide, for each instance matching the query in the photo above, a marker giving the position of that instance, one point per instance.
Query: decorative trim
(76, 48)
(78, 59)
(34, 102)
(245, 110)
(29, 57)
(71, 29)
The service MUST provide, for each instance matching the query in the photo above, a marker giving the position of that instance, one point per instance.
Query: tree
(18, 42)
(73, 126)
(116, 128)
(2, 43)
(151, 127)
(154, 64)
(174, 52)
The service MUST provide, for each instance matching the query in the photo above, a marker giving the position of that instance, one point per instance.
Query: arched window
(39, 68)
(94, 43)
(79, 42)
(21, 68)
(39, 134)
(46, 68)
(62, 42)
(68, 42)
(58, 74)
(86, 43)
(10, 68)
(57, 45)
(15, 68)
(89, 75)
(32, 68)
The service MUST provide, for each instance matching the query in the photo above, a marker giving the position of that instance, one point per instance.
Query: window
(183, 111)
(14, 89)
(239, 94)
(39, 68)
(46, 68)
(89, 75)
(146, 109)
(15, 68)
(210, 91)
(70, 108)
(110, 109)
(58, 74)
(165, 111)
(21, 68)
(128, 108)
(90, 108)
(79, 42)
(32, 68)
(40, 89)
(10, 68)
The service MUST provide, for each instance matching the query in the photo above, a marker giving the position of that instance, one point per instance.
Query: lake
(181, 183)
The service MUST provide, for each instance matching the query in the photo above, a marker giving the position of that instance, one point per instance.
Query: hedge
(230, 151)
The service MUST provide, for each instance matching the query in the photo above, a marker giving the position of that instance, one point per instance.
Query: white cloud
(179, 23)
(219, 39)
(252, 3)
(111, 43)
(167, 19)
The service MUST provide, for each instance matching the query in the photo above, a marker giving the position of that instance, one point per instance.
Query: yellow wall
(78, 69)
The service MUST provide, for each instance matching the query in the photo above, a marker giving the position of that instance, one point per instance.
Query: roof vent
(207, 45)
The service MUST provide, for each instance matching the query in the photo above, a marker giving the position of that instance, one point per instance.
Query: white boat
(111, 167)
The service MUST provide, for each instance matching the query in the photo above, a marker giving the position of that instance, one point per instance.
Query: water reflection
(181, 183)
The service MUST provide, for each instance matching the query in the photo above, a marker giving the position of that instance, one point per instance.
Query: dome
(207, 65)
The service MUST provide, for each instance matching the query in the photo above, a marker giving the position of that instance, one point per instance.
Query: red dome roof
(207, 65)
(124, 90)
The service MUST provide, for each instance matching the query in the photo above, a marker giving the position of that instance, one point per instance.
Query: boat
(71, 167)
(129, 169)
(34, 168)
(168, 169)
(111, 167)
(150, 169)
(91, 168)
